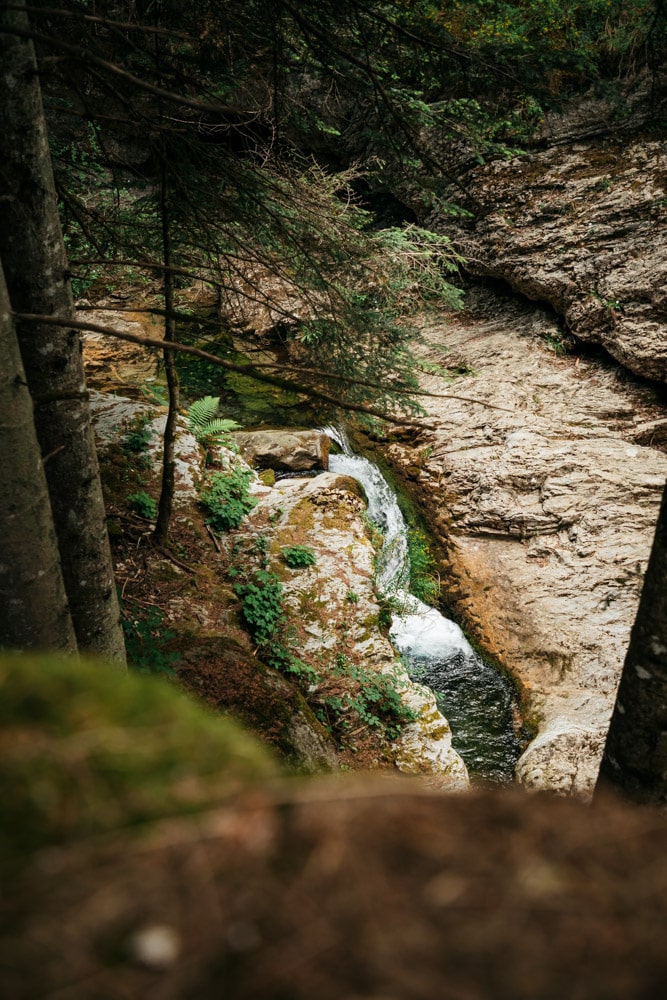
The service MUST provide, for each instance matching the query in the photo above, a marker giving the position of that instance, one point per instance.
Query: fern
(204, 422)
(201, 413)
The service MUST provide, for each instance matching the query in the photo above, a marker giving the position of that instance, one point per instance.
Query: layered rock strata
(545, 497)
(582, 227)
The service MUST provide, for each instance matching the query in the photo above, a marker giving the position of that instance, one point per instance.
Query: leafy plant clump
(143, 504)
(298, 556)
(146, 639)
(373, 697)
(138, 436)
(226, 498)
(262, 605)
(262, 608)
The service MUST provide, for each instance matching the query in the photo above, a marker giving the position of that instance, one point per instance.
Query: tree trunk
(635, 757)
(35, 266)
(166, 503)
(33, 604)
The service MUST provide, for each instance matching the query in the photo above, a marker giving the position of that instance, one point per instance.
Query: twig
(214, 540)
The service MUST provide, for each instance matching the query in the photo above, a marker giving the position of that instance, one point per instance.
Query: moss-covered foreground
(85, 749)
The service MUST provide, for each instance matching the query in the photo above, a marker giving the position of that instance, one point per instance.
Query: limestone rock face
(114, 416)
(333, 611)
(546, 506)
(294, 451)
(583, 227)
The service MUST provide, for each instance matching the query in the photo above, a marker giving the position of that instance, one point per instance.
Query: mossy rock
(230, 679)
(268, 477)
(87, 748)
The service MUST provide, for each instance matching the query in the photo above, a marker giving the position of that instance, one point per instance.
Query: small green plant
(145, 640)
(373, 697)
(298, 556)
(143, 504)
(205, 423)
(262, 605)
(260, 547)
(352, 597)
(138, 436)
(281, 658)
(555, 344)
(156, 394)
(226, 498)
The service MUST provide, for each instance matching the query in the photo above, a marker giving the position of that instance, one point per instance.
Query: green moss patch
(87, 749)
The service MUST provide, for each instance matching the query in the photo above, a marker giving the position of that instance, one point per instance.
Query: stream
(478, 701)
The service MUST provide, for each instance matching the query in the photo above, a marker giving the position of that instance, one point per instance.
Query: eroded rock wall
(583, 227)
(546, 503)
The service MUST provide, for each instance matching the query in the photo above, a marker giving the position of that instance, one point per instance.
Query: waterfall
(477, 700)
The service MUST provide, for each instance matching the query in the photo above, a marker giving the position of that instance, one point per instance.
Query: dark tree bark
(168, 486)
(33, 604)
(635, 757)
(35, 266)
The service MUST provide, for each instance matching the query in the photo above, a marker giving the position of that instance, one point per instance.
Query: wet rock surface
(546, 503)
(583, 227)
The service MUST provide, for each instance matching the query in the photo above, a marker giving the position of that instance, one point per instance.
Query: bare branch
(249, 370)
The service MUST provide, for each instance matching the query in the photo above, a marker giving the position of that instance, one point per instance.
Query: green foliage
(423, 582)
(352, 596)
(156, 394)
(206, 425)
(373, 697)
(226, 498)
(143, 504)
(138, 436)
(281, 658)
(554, 45)
(298, 556)
(262, 605)
(146, 639)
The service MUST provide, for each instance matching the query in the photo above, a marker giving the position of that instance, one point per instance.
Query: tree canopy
(273, 120)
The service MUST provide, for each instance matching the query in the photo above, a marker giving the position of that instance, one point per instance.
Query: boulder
(291, 451)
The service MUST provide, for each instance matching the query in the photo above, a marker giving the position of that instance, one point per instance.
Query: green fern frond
(204, 423)
(219, 427)
(201, 413)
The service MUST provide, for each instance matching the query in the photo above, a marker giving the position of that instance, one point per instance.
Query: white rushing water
(416, 627)
(474, 697)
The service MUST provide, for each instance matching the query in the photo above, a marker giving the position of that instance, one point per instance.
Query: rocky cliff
(581, 226)
(544, 495)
